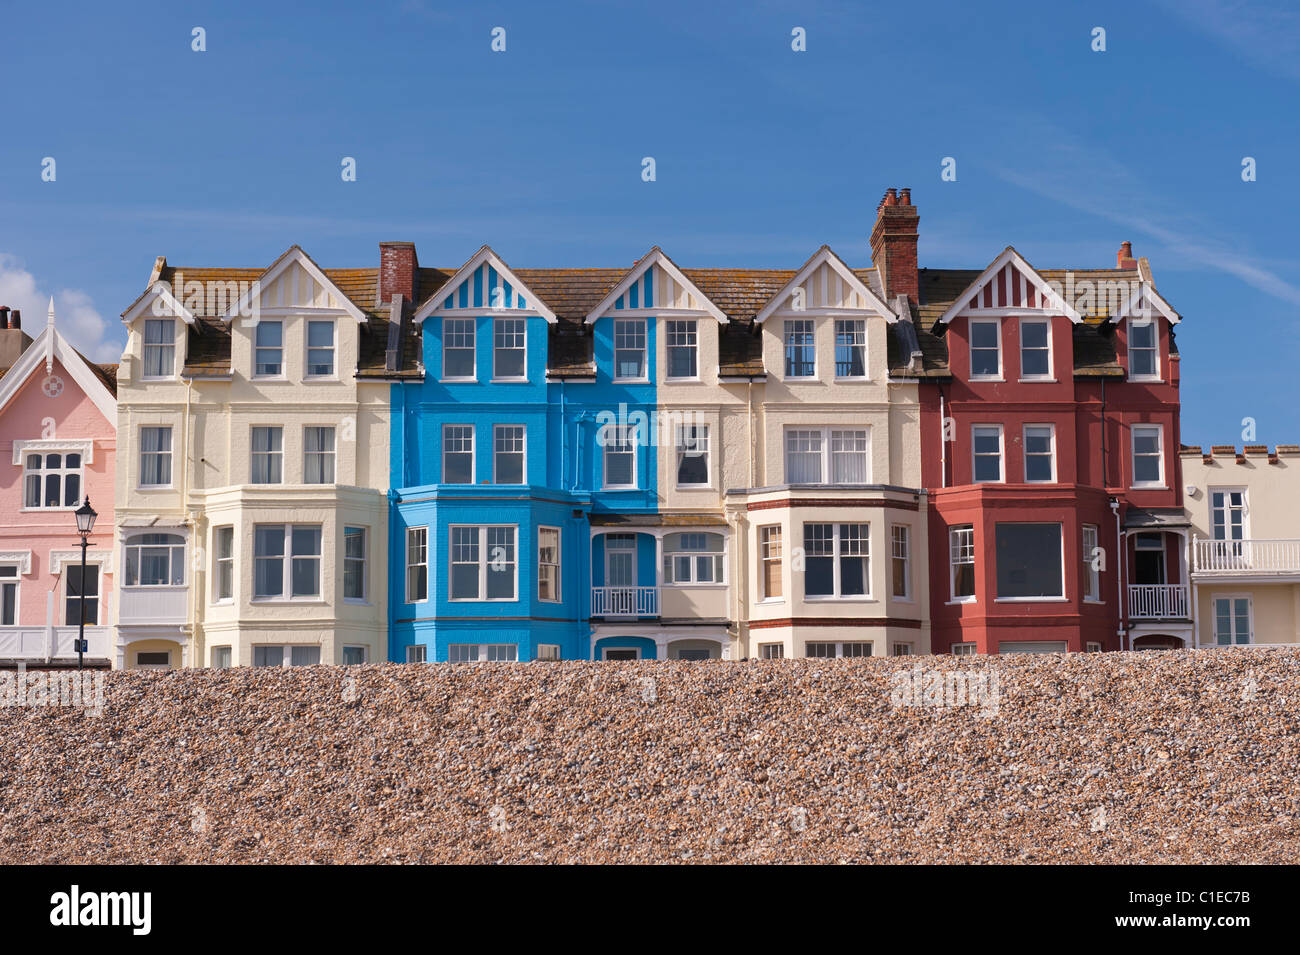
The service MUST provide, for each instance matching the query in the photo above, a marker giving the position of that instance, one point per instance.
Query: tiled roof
(740, 293)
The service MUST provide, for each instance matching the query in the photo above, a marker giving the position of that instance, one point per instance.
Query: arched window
(155, 560)
(693, 558)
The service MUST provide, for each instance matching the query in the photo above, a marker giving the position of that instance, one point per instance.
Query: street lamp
(85, 524)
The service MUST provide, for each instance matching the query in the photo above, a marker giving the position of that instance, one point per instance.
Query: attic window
(159, 348)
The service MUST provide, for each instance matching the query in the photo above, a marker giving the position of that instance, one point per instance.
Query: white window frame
(421, 531)
(1092, 646)
(364, 560)
(855, 327)
(771, 651)
(1051, 368)
(173, 559)
(702, 438)
(1232, 619)
(766, 539)
(557, 593)
(906, 557)
(497, 435)
(718, 558)
(218, 561)
(466, 428)
(11, 575)
(839, 646)
(308, 348)
(63, 471)
(798, 326)
(1051, 453)
(257, 330)
(1228, 509)
(547, 653)
(287, 559)
(1091, 575)
(448, 324)
(1135, 322)
(498, 324)
(286, 649)
(1159, 429)
(629, 435)
(254, 454)
(687, 328)
(483, 652)
(837, 552)
(417, 653)
(826, 435)
(997, 324)
(975, 455)
(484, 561)
(958, 547)
(331, 454)
(146, 346)
(229, 655)
(169, 454)
(962, 649)
(632, 326)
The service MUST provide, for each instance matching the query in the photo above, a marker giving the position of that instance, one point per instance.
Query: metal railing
(625, 601)
(1157, 601)
(1261, 556)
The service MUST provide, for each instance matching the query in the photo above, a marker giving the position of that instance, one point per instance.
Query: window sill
(630, 381)
(296, 601)
(831, 598)
(357, 602)
(621, 487)
(483, 600)
(458, 381)
(961, 601)
(683, 381)
(1094, 601)
(1148, 487)
(317, 379)
(694, 586)
(856, 381)
(47, 510)
(1144, 380)
(999, 378)
(694, 487)
(1031, 600)
(1038, 381)
(507, 381)
(771, 601)
(155, 487)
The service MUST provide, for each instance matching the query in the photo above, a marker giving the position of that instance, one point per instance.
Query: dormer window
(509, 344)
(159, 348)
(800, 350)
(1143, 356)
(850, 348)
(629, 349)
(1035, 349)
(269, 357)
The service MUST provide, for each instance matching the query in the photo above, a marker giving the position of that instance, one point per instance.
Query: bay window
(836, 560)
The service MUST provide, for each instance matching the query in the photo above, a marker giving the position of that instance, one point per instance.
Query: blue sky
(229, 156)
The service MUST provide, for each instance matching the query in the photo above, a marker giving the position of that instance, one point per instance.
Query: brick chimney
(398, 271)
(13, 340)
(1124, 257)
(893, 244)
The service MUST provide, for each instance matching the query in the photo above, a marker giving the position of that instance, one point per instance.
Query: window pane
(268, 656)
(1029, 560)
(304, 656)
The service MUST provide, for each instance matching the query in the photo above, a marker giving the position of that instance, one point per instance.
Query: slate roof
(572, 293)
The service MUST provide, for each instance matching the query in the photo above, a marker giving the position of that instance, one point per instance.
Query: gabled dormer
(484, 325)
(158, 327)
(656, 325)
(826, 324)
(1010, 325)
(1143, 326)
(293, 324)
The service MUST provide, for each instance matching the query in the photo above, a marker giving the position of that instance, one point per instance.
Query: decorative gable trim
(1140, 302)
(48, 347)
(655, 257)
(824, 256)
(513, 296)
(294, 255)
(171, 306)
(1018, 290)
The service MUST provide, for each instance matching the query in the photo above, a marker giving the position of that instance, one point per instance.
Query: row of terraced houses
(295, 465)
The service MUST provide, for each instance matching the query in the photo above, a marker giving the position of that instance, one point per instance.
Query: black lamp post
(85, 524)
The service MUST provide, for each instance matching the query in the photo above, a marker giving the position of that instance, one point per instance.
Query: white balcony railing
(1157, 601)
(1255, 556)
(40, 644)
(625, 601)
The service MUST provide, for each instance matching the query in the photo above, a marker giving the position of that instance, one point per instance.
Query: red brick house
(1050, 439)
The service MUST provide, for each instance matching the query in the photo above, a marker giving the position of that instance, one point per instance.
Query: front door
(1149, 559)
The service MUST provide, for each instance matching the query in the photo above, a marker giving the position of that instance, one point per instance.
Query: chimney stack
(893, 244)
(1124, 257)
(13, 340)
(398, 271)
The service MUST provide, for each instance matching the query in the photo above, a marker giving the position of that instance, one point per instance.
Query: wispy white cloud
(76, 316)
(1264, 34)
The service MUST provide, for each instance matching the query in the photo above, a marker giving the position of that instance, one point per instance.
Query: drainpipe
(749, 400)
(943, 444)
(1119, 571)
(197, 588)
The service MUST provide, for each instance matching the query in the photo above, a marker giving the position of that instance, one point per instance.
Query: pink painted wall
(75, 416)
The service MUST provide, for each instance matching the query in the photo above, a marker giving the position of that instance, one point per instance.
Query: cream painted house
(251, 502)
(832, 518)
(1245, 548)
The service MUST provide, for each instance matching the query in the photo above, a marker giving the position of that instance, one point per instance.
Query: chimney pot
(15, 319)
(4, 316)
(1124, 257)
(905, 196)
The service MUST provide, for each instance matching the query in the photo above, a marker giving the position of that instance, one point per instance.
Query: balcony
(1158, 602)
(625, 602)
(1279, 557)
(43, 644)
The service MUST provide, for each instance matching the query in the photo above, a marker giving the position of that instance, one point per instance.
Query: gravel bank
(1181, 757)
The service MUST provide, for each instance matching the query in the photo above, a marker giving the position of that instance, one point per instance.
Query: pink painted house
(58, 436)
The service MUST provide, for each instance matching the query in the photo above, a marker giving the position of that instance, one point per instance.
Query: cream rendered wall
(213, 455)
(1271, 514)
